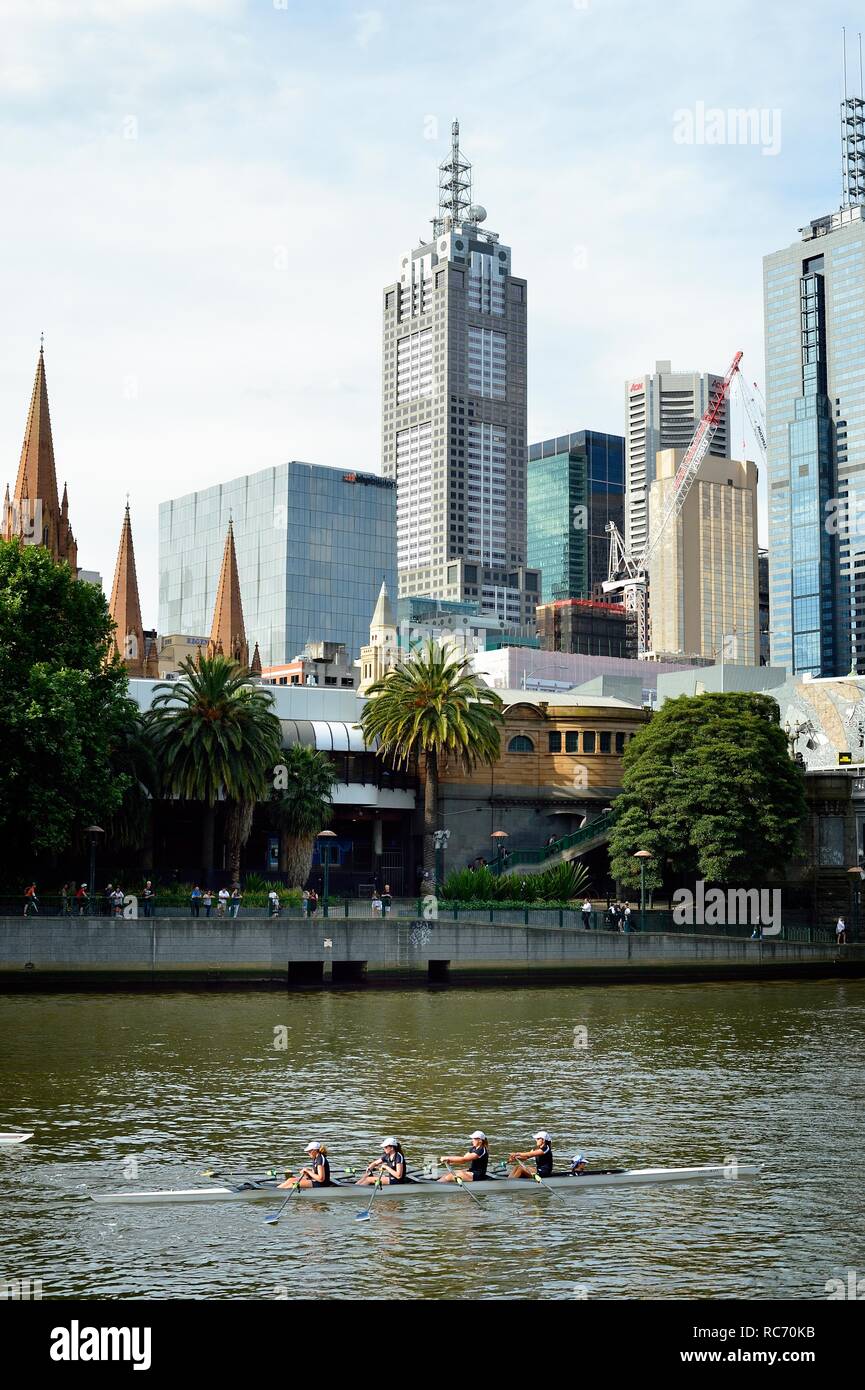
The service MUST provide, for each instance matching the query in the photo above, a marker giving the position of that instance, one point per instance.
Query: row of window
(592, 742)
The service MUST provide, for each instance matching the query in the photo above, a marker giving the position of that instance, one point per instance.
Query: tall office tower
(454, 410)
(575, 485)
(704, 572)
(814, 307)
(661, 412)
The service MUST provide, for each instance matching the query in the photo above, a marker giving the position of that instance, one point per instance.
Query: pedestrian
(117, 898)
(195, 901)
(841, 932)
(587, 914)
(222, 902)
(626, 919)
(304, 902)
(207, 901)
(31, 902)
(81, 899)
(236, 898)
(313, 902)
(108, 900)
(148, 898)
(273, 903)
(386, 900)
(64, 899)
(376, 904)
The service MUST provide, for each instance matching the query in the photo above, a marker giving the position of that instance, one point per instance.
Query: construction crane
(628, 575)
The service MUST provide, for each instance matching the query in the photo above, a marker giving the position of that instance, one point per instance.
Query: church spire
(35, 512)
(125, 607)
(228, 633)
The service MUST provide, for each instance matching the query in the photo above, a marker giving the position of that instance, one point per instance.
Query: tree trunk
(430, 814)
(238, 825)
(295, 852)
(208, 825)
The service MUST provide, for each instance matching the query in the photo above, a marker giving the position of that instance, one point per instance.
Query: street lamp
(499, 836)
(94, 831)
(856, 890)
(325, 836)
(643, 855)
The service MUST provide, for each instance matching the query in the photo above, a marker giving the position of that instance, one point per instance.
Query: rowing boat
(16, 1138)
(268, 1191)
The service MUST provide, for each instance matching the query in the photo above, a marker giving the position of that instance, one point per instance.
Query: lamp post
(94, 831)
(856, 889)
(325, 837)
(499, 836)
(643, 855)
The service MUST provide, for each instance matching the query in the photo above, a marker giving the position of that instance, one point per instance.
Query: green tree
(710, 789)
(130, 824)
(215, 735)
(301, 807)
(64, 707)
(431, 706)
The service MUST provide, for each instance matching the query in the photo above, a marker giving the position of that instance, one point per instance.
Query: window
(554, 741)
(572, 742)
(620, 743)
(521, 743)
(588, 742)
(606, 743)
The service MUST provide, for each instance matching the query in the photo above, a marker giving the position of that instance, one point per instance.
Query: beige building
(703, 575)
(381, 653)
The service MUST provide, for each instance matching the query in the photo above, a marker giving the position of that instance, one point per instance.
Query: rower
(542, 1153)
(475, 1161)
(579, 1163)
(318, 1172)
(390, 1168)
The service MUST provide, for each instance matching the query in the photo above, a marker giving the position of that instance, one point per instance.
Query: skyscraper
(814, 310)
(454, 409)
(575, 485)
(662, 410)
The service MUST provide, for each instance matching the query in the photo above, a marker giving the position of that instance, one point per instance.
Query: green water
(168, 1084)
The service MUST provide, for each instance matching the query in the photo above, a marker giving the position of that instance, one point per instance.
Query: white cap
(313, 1146)
(390, 1143)
(478, 1134)
(578, 1158)
(84, 885)
(543, 1134)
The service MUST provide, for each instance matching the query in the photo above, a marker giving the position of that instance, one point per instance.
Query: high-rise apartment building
(814, 308)
(575, 485)
(662, 410)
(454, 410)
(704, 571)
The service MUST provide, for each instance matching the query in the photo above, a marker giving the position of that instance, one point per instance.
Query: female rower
(387, 1169)
(318, 1172)
(475, 1160)
(578, 1165)
(542, 1153)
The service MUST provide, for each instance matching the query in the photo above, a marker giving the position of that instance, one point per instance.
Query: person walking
(31, 902)
(313, 902)
(108, 900)
(82, 897)
(273, 903)
(236, 899)
(117, 898)
(587, 914)
(386, 900)
(65, 892)
(304, 903)
(376, 904)
(627, 925)
(195, 901)
(148, 898)
(841, 932)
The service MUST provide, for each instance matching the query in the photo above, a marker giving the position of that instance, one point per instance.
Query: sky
(203, 200)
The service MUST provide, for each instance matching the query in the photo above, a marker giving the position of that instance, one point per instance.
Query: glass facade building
(313, 545)
(575, 485)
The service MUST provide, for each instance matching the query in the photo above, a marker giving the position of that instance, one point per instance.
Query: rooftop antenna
(852, 134)
(455, 185)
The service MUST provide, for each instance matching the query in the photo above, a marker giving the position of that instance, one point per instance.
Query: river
(153, 1088)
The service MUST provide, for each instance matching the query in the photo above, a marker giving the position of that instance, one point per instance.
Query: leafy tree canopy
(710, 789)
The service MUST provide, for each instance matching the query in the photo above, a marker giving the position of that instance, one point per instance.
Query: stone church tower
(382, 652)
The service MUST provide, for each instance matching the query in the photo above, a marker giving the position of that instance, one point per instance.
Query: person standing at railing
(841, 932)
(386, 900)
(31, 902)
(148, 898)
(81, 899)
(64, 899)
(587, 914)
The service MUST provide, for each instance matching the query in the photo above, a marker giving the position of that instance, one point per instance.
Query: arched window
(521, 743)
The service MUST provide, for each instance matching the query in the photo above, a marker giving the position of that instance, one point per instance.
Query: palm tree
(431, 704)
(301, 808)
(215, 734)
(133, 759)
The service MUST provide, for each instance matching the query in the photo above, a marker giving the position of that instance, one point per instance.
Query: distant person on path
(81, 899)
(386, 900)
(587, 914)
(117, 901)
(273, 902)
(841, 932)
(626, 919)
(313, 902)
(304, 902)
(31, 902)
(148, 898)
(108, 900)
(222, 902)
(612, 918)
(376, 905)
(207, 901)
(195, 901)
(64, 899)
(236, 897)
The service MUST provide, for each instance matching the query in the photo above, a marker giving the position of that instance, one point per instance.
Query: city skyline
(184, 304)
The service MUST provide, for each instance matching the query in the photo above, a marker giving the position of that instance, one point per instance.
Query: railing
(587, 832)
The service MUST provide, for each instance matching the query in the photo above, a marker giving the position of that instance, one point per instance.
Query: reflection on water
(164, 1085)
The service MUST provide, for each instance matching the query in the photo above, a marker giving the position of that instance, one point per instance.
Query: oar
(272, 1220)
(460, 1183)
(230, 1173)
(538, 1179)
(364, 1215)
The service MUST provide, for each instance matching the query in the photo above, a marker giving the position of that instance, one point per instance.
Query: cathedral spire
(125, 607)
(35, 513)
(228, 633)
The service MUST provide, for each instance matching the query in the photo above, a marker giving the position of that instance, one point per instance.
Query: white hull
(428, 1188)
(15, 1138)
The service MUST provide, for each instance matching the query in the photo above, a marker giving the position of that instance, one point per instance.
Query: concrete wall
(86, 953)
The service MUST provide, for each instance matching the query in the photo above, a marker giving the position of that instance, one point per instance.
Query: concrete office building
(312, 545)
(454, 410)
(662, 410)
(703, 572)
(575, 486)
(814, 307)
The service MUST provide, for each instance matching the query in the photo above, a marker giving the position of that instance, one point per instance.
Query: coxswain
(389, 1168)
(542, 1153)
(579, 1164)
(317, 1174)
(475, 1161)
